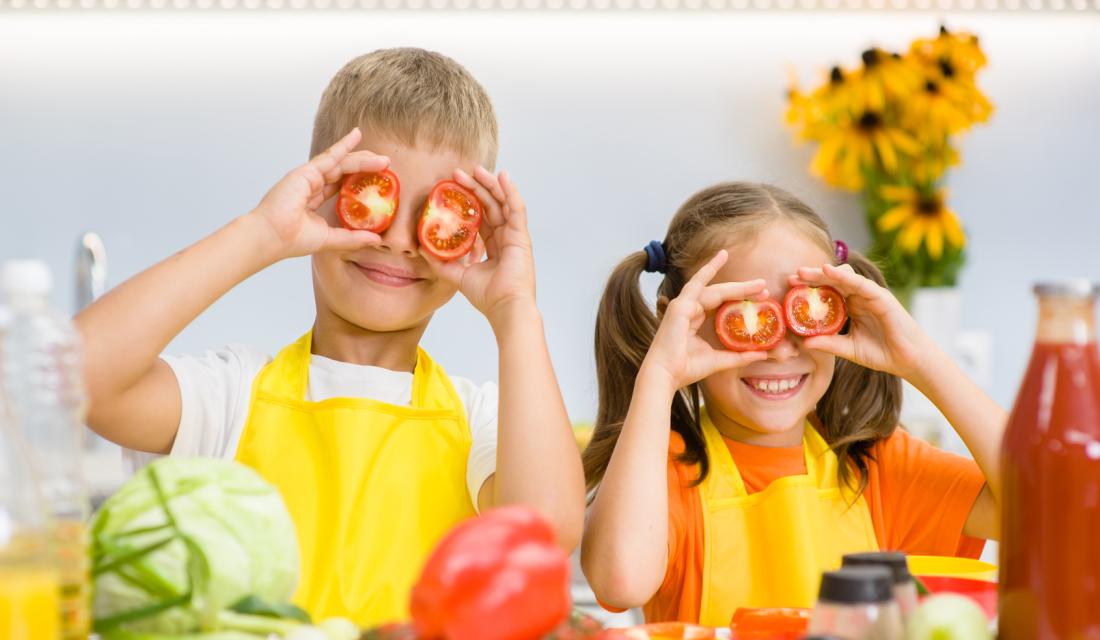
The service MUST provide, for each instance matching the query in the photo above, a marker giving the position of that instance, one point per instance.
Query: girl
(777, 463)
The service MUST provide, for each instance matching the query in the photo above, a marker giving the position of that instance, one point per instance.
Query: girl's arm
(885, 337)
(624, 552)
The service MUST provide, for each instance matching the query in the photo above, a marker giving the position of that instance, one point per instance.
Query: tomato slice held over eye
(814, 311)
(750, 325)
(368, 201)
(449, 221)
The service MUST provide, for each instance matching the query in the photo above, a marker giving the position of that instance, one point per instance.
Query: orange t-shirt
(919, 498)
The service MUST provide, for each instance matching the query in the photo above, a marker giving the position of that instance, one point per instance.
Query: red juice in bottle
(1050, 522)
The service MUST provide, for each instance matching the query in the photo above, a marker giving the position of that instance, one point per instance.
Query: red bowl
(984, 593)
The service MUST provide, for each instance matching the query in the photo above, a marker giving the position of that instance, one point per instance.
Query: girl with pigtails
(723, 479)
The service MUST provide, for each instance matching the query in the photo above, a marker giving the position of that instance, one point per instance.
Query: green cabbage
(184, 541)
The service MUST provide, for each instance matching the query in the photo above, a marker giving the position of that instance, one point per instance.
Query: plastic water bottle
(29, 586)
(44, 380)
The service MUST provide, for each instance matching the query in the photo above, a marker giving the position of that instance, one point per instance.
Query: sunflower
(884, 77)
(815, 112)
(959, 50)
(921, 216)
(858, 143)
(940, 108)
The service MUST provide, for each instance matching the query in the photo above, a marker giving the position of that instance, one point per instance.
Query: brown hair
(860, 406)
(412, 95)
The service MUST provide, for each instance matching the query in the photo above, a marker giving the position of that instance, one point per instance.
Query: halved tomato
(368, 201)
(814, 311)
(750, 325)
(449, 221)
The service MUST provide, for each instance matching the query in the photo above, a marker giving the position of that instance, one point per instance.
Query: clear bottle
(28, 575)
(857, 604)
(43, 374)
(1050, 506)
(905, 589)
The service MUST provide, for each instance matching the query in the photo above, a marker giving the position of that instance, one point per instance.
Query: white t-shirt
(217, 388)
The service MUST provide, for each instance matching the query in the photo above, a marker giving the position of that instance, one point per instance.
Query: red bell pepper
(499, 576)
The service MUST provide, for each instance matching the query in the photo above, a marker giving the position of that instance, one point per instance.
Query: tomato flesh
(449, 221)
(814, 311)
(368, 201)
(750, 325)
(660, 631)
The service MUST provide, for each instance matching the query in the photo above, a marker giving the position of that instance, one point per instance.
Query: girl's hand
(290, 208)
(677, 350)
(882, 334)
(507, 275)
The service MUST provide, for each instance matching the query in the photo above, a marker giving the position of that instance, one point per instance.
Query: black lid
(892, 560)
(857, 585)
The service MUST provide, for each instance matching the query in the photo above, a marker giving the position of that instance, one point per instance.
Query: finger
(341, 239)
(325, 161)
(477, 252)
(837, 345)
(713, 296)
(844, 279)
(491, 182)
(516, 208)
(450, 272)
(705, 274)
(358, 162)
(493, 213)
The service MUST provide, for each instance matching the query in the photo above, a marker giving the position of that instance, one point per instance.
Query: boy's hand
(882, 336)
(290, 207)
(678, 354)
(507, 275)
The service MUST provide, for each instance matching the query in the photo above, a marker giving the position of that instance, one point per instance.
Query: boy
(375, 450)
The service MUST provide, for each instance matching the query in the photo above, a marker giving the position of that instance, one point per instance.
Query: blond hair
(413, 96)
(859, 408)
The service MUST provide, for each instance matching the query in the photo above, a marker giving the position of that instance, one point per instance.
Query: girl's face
(766, 402)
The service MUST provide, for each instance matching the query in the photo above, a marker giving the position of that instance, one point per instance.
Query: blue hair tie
(656, 257)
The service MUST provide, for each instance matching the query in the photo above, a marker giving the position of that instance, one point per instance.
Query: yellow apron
(768, 549)
(371, 486)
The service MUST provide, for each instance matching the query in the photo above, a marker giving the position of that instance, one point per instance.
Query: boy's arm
(538, 463)
(134, 398)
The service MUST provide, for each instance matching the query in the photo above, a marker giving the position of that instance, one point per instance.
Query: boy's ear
(662, 304)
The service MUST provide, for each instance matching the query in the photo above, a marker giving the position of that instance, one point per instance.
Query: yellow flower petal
(894, 218)
(886, 153)
(933, 238)
(953, 229)
(910, 237)
(896, 193)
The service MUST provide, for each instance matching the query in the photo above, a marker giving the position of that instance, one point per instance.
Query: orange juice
(28, 601)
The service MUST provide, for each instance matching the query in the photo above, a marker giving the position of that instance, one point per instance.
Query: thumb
(837, 345)
(341, 239)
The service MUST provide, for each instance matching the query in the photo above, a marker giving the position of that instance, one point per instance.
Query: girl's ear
(662, 304)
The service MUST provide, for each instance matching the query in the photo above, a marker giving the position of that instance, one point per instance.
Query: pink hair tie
(841, 251)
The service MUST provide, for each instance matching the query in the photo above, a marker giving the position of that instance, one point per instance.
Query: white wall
(155, 128)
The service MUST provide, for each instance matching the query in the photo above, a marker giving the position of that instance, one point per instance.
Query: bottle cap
(857, 585)
(893, 560)
(26, 277)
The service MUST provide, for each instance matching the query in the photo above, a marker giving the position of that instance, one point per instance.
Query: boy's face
(389, 287)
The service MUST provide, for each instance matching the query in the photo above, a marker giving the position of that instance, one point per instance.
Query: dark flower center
(836, 76)
(871, 57)
(929, 206)
(946, 68)
(870, 121)
(931, 86)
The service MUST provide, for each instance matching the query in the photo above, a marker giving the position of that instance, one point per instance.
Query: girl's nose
(786, 349)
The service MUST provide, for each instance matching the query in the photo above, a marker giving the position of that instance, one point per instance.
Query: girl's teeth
(777, 386)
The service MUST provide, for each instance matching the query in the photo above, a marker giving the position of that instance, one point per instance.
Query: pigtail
(861, 405)
(625, 326)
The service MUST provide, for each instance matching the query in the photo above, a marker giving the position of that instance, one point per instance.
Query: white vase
(938, 312)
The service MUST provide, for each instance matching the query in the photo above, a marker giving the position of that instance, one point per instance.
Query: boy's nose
(401, 236)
